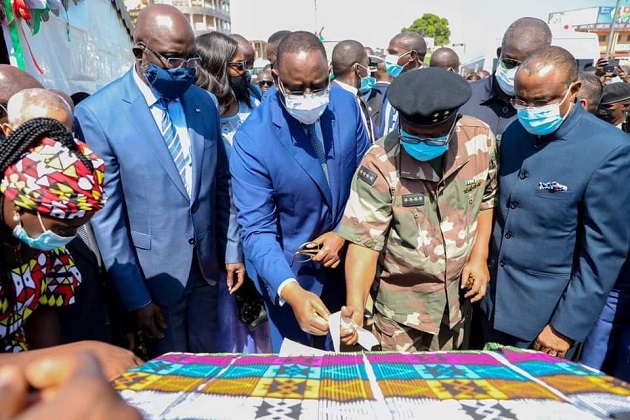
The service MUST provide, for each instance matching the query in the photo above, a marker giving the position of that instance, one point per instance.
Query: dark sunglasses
(265, 83)
(510, 63)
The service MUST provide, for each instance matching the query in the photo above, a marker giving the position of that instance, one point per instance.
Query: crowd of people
(186, 207)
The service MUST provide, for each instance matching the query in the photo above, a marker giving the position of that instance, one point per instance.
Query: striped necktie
(318, 145)
(171, 138)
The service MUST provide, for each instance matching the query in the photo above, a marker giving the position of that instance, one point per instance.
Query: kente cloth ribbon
(52, 180)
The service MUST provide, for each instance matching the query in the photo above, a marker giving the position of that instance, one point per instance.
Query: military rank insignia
(367, 176)
(413, 200)
(471, 185)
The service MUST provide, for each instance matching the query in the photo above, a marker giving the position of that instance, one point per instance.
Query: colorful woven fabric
(468, 385)
(52, 180)
(49, 279)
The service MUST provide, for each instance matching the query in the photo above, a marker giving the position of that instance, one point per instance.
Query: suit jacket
(280, 190)
(562, 228)
(150, 228)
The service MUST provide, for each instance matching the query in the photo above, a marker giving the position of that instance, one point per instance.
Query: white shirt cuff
(281, 301)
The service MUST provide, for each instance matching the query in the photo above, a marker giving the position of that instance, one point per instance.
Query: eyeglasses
(264, 83)
(174, 62)
(438, 141)
(510, 63)
(238, 65)
(306, 252)
(539, 103)
(295, 95)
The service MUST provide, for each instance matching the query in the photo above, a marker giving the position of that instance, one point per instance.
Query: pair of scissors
(306, 252)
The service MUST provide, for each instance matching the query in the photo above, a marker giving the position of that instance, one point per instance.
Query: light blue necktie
(318, 145)
(169, 132)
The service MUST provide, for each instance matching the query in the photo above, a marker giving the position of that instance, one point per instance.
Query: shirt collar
(347, 87)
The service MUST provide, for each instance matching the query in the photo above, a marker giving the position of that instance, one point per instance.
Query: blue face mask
(170, 83)
(391, 65)
(367, 83)
(542, 120)
(424, 149)
(47, 241)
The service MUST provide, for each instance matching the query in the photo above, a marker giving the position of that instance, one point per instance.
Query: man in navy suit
(162, 232)
(562, 231)
(292, 164)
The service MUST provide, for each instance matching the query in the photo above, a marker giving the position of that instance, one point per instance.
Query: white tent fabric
(79, 51)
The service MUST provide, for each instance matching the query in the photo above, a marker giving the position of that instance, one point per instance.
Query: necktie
(171, 138)
(367, 119)
(318, 145)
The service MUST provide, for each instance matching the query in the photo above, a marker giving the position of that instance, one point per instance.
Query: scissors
(306, 252)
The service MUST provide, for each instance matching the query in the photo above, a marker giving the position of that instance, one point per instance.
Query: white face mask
(306, 108)
(505, 78)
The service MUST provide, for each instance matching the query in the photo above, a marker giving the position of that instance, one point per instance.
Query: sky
(374, 22)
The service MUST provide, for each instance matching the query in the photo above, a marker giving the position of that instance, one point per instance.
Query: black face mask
(605, 114)
(240, 85)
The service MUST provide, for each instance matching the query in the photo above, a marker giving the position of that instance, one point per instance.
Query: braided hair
(29, 134)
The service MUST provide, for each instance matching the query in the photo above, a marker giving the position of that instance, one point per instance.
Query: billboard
(605, 15)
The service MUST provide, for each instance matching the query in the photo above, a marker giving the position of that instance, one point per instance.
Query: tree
(431, 26)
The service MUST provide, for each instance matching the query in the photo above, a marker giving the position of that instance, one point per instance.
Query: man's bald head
(345, 55)
(411, 41)
(13, 80)
(161, 23)
(65, 96)
(246, 48)
(556, 58)
(38, 103)
(445, 58)
(528, 34)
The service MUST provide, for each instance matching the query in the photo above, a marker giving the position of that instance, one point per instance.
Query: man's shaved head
(38, 103)
(159, 21)
(558, 58)
(65, 96)
(528, 34)
(246, 47)
(445, 58)
(13, 80)
(345, 55)
(411, 41)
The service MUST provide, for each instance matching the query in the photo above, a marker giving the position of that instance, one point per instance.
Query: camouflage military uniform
(424, 227)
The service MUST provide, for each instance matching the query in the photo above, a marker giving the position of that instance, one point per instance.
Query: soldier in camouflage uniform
(419, 217)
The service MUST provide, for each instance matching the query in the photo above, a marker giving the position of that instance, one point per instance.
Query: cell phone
(609, 69)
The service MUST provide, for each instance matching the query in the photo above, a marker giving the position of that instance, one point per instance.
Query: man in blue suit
(167, 182)
(562, 231)
(292, 163)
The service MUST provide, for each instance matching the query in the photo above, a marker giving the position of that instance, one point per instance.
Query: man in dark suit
(167, 182)
(292, 163)
(561, 234)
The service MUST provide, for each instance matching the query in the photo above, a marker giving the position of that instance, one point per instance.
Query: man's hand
(69, 386)
(475, 278)
(330, 253)
(148, 319)
(235, 276)
(114, 360)
(310, 312)
(600, 67)
(552, 342)
(350, 336)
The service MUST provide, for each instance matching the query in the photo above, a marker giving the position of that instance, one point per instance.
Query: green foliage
(431, 26)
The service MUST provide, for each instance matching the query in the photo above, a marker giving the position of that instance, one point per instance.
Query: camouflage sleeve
(368, 212)
(490, 197)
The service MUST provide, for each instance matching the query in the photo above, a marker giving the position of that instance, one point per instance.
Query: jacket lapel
(334, 150)
(141, 118)
(293, 137)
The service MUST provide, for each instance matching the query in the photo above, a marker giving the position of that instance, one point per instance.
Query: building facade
(598, 20)
(204, 15)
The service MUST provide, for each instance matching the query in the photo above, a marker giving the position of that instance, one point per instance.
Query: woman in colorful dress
(242, 325)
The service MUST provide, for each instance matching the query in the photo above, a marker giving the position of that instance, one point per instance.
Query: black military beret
(428, 96)
(615, 92)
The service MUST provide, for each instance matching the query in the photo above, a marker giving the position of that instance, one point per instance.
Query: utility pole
(611, 33)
